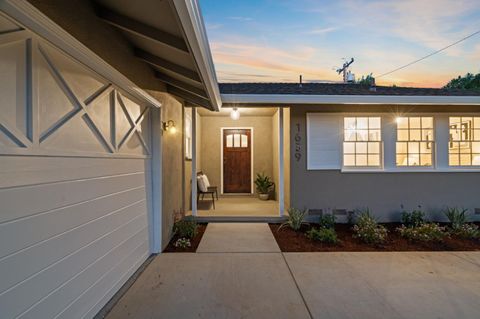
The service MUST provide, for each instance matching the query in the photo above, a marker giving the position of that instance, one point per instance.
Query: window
(415, 141)
(362, 141)
(464, 142)
(237, 140)
(188, 134)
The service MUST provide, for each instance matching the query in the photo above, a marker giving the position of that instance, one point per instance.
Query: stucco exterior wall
(211, 148)
(172, 161)
(383, 193)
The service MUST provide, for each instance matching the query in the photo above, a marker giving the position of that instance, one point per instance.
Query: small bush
(327, 221)
(182, 243)
(456, 217)
(467, 231)
(425, 232)
(414, 218)
(323, 234)
(368, 230)
(295, 219)
(186, 227)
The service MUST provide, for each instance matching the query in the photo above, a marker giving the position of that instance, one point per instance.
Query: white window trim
(378, 168)
(389, 139)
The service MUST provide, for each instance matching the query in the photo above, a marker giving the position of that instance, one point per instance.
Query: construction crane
(347, 76)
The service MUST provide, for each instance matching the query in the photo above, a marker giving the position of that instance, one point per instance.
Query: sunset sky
(276, 40)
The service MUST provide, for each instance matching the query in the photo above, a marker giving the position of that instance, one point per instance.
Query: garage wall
(74, 182)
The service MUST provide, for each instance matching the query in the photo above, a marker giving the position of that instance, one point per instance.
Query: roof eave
(190, 18)
(292, 99)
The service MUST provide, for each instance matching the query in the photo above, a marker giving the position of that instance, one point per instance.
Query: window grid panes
(415, 141)
(237, 140)
(464, 142)
(362, 142)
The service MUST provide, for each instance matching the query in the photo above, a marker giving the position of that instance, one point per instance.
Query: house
(110, 110)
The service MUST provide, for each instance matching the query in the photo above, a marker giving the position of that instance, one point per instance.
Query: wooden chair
(211, 190)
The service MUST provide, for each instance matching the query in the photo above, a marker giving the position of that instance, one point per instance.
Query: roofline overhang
(191, 20)
(292, 99)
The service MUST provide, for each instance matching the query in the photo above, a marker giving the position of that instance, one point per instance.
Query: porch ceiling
(164, 35)
(244, 111)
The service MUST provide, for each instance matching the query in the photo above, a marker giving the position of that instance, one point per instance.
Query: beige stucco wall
(211, 148)
(173, 163)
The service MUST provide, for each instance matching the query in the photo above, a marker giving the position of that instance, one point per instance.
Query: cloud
(213, 26)
(322, 30)
(239, 18)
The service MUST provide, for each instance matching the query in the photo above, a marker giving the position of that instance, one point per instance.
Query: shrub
(186, 227)
(414, 218)
(323, 234)
(327, 221)
(295, 219)
(425, 232)
(182, 243)
(467, 231)
(456, 217)
(368, 230)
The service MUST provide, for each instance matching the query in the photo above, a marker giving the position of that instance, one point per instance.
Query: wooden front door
(237, 148)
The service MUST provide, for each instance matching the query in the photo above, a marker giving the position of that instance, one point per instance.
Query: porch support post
(194, 161)
(281, 164)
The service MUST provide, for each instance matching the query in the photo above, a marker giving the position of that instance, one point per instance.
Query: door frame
(223, 128)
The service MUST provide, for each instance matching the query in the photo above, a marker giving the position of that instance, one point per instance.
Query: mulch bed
(195, 242)
(291, 241)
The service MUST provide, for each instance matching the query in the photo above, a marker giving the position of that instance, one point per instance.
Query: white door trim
(251, 156)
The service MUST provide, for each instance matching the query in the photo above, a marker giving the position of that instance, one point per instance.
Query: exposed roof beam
(192, 98)
(181, 85)
(167, 65)
(133, 26)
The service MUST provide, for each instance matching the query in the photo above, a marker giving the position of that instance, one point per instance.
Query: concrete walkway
(272, 284)
(238, 238)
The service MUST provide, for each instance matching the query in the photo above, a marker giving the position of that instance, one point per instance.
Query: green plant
(425, 232)
(414, 218)
(368, 230)
(323, 234)
(263, 183)
(327, 221)
(182, 243)
(467, 231)
(456, 217)
(186, 227)
(295, 219)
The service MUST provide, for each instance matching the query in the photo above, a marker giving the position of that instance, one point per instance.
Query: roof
(170, 37)
(335, 89)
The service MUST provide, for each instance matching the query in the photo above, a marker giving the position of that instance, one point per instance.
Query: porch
(231, 151)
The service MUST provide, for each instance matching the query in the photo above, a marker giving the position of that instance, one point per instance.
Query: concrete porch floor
(237, 205)
(219, 284)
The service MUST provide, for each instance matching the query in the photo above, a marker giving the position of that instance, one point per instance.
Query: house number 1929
(298, 143)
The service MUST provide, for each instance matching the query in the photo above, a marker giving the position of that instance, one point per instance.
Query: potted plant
(264, 185)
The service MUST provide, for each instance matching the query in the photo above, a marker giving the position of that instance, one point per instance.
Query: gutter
(191, 20)
(281, 99)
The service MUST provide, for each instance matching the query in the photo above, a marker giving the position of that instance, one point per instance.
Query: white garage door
(74, 182)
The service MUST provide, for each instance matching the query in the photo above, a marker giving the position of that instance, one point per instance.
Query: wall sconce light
(169, 126)
(235, 114)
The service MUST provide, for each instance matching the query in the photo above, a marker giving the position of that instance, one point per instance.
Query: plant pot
(263, 196)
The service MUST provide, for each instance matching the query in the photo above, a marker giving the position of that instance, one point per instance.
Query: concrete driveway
(219, 284)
